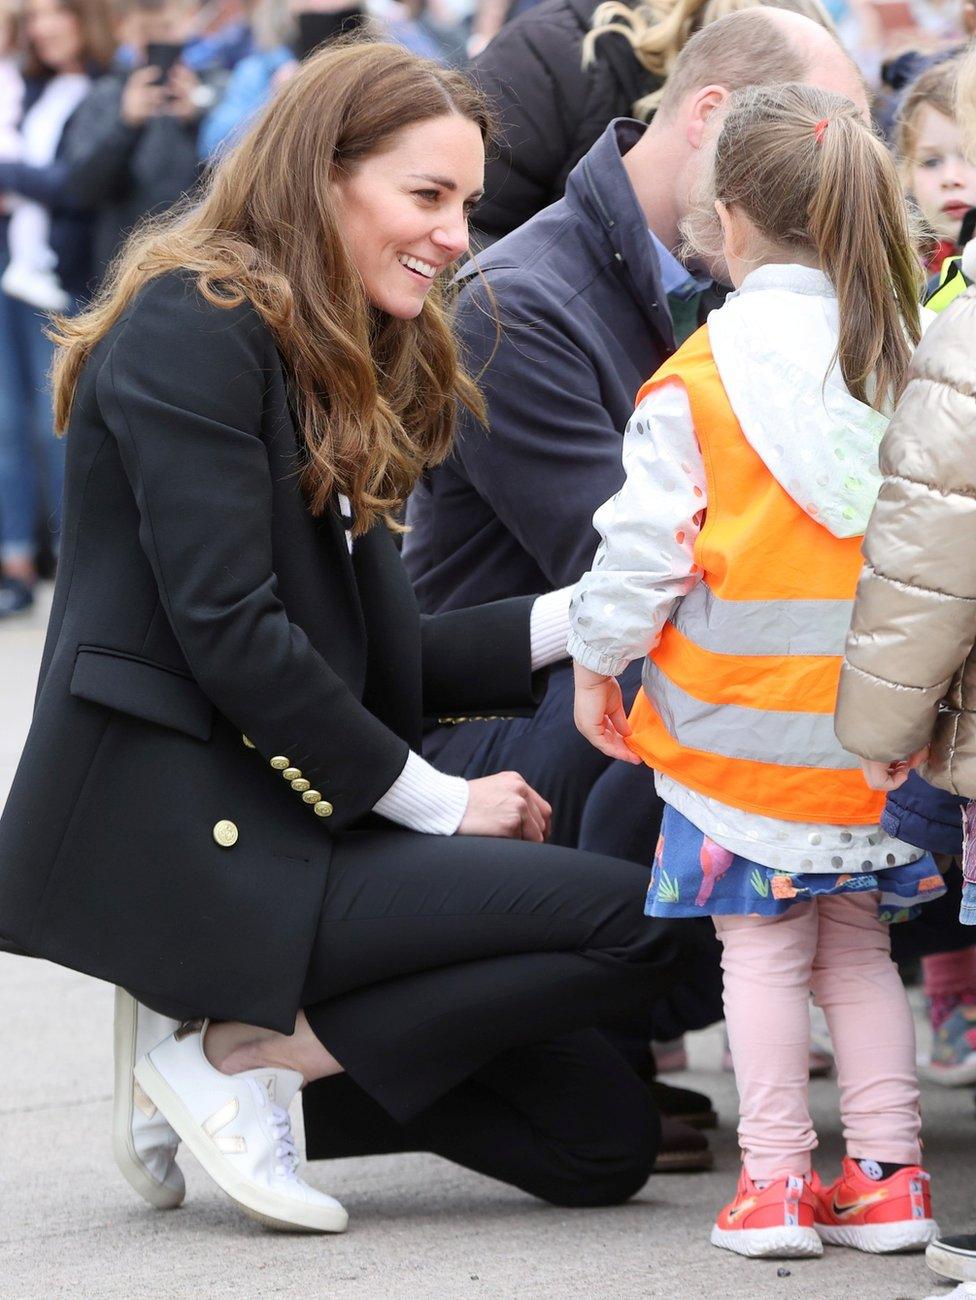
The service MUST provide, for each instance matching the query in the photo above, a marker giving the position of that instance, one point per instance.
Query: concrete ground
(420, 1227)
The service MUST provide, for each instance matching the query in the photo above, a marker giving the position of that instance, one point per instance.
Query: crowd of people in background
(110, 111)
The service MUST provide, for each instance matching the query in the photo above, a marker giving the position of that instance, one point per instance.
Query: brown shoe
(683, 1149)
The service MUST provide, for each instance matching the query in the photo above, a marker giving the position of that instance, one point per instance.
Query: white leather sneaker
(238, 1127)
(143, 1143)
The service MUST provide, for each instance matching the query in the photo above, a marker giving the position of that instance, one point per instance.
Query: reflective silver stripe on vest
(763, 627)
(786, 739)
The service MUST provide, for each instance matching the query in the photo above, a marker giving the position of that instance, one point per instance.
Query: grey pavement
(420, 1227)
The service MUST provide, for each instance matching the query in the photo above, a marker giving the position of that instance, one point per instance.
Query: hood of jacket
(774, 342)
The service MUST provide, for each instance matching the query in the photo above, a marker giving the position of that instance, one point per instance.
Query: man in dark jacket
(592, 299)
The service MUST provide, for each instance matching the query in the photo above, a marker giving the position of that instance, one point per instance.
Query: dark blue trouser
(612, 804)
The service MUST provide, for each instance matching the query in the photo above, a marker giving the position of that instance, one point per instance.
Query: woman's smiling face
(404, 211)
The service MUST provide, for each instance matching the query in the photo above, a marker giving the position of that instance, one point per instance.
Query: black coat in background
(550, 110)
(123, 173)
(198, 602)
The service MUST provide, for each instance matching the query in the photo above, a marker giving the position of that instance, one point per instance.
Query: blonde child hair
(658, 30)
(966, 99)
(934, 88)
(816, 182)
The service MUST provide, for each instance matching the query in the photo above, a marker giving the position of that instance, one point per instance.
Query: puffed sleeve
(914, 620)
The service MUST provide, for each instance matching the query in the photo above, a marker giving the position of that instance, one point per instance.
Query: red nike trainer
(773, 1222)
(877, 1215)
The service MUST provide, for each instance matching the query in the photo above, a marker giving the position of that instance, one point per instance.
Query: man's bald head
(758, 47)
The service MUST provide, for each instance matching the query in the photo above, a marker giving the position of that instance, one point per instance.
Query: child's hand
(889, 776)
(599, 714)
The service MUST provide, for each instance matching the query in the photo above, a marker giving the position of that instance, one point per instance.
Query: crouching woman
(235, 675)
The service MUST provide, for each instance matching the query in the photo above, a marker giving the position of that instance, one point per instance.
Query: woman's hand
(506, 806)
(599, 713)
(889, 776)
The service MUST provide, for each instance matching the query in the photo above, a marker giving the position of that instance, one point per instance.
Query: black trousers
(436, 956)
(600, 805)
(566, 1120)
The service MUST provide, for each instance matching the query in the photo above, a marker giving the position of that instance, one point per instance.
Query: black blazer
(198, 603)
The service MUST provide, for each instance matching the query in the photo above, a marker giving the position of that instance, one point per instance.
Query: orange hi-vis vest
(738, 697)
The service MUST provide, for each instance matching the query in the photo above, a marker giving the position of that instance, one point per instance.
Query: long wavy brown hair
(375, 396)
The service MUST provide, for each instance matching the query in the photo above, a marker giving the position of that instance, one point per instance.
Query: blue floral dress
(694, 876)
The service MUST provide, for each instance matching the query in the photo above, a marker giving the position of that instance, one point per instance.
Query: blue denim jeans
(967, 909)
(31, 457)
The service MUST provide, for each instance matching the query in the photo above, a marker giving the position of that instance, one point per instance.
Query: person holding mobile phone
(132, 149)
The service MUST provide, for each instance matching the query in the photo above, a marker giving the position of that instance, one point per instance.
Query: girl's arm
(645, 560)
(643, 565)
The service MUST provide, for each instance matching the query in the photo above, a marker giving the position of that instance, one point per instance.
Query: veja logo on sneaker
(141, 1101)
(230, 1145)
(840, 1211)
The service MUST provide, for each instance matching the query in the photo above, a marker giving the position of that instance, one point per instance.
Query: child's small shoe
(880, 1216)
(777, 1221)
(953, 1059)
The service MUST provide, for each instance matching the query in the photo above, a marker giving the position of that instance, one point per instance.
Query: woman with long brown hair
(233, 688)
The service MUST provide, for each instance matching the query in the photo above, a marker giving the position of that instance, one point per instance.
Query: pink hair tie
(819, 130)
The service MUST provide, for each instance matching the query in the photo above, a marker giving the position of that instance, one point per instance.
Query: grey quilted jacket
(909, 676)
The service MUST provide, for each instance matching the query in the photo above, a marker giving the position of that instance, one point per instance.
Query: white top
(11, 101)
(29, 232)
(773, 342)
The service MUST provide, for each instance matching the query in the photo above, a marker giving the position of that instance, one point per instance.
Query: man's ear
(969, 19)
(703, 104)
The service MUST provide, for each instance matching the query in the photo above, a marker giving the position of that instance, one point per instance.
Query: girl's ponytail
(858, 222)
(812, 175)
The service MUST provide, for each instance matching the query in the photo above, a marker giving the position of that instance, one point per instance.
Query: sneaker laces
(279, 1124)
(286, 1153)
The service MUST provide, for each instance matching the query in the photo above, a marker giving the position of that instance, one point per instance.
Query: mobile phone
(162, 55)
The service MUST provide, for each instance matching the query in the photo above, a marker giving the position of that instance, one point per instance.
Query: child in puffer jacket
(728, 563)
(910, 671)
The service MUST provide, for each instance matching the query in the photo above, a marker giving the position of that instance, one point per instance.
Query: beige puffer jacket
(910, 672)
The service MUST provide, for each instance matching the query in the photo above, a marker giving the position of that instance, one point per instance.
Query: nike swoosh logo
(841, 1211)
(737, 1211)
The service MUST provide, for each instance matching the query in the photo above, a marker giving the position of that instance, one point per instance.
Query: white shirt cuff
(423, 799)
(549, 628)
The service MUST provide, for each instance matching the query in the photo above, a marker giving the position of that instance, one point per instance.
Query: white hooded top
(774, 343)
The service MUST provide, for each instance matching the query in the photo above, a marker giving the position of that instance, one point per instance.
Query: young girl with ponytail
(729, 560)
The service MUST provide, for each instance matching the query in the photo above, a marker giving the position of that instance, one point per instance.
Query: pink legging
(838, 949)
